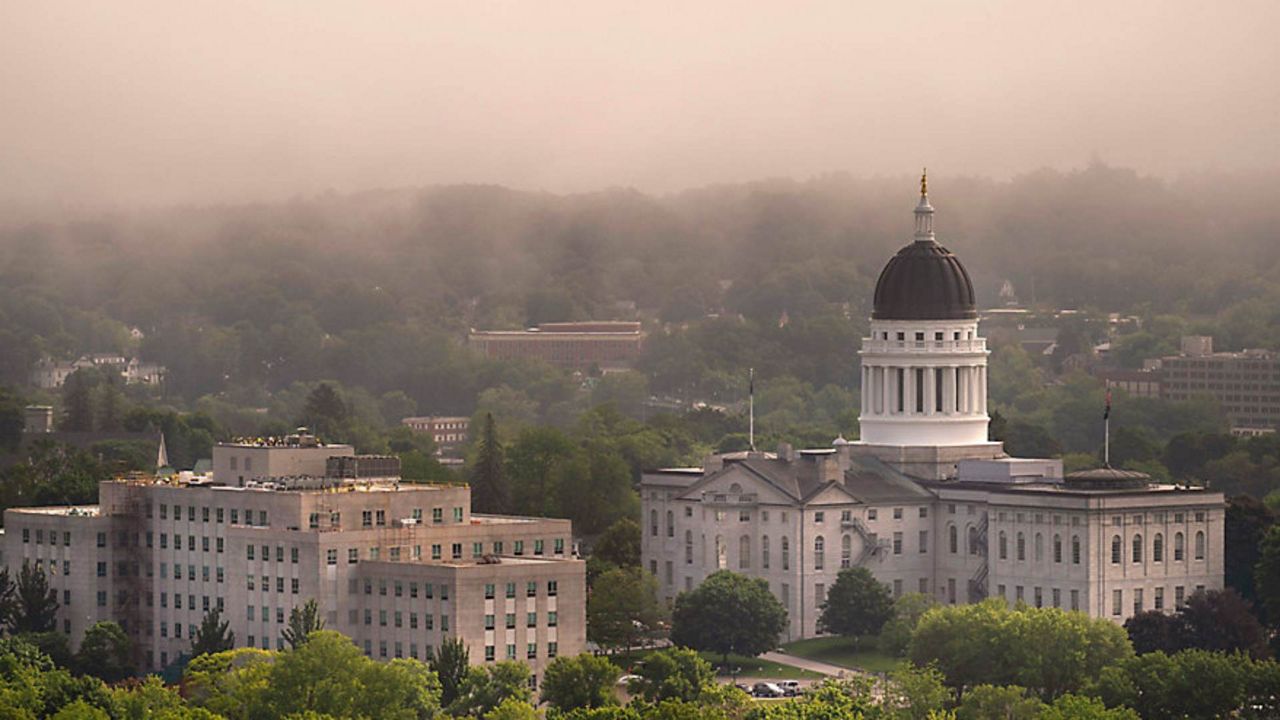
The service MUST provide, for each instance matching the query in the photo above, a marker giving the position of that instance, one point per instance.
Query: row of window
(819, 516)
(396, 553)
(531, 651)
(428, 619)
(216, 515)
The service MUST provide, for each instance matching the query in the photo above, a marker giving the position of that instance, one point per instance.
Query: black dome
(924, 281)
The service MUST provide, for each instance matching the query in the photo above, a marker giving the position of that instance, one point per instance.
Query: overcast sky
(122, 102)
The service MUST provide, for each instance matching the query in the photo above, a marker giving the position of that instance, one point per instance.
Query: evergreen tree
(77, 401)
(13, 420)
(489, 491)
(302, 622)
(37, 603)
(325, 412)
(450, 664)
(214, 635)
(8, 603)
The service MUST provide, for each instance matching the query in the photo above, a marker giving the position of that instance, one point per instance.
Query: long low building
(397, 567)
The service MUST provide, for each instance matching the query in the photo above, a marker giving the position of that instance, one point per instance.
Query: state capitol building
(924, 499)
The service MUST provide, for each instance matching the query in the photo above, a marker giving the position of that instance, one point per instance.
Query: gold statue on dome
(924, 182)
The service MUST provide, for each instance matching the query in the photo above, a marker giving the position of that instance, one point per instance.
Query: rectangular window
(897, 543)
(924, 541)
(1117, 600)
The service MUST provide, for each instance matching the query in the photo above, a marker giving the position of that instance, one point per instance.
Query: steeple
(924, 211)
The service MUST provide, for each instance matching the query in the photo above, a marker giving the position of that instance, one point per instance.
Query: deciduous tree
(729, 613)
(585, 681)
(623, 608)
(857, 604)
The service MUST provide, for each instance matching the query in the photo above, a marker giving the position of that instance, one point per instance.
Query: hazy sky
(161, 102)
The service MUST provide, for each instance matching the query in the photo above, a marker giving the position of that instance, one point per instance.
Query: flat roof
(67, 510)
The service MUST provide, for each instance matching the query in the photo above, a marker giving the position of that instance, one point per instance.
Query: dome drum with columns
(924, 366)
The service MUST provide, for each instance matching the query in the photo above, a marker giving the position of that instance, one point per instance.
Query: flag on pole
(1106, 413)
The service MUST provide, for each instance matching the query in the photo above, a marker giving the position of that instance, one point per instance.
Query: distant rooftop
(300, 438)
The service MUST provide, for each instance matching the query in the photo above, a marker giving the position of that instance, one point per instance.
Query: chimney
(713, 463)
(786, 452)
(829, 469)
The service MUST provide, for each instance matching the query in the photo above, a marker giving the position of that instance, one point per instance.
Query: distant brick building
(577, 345)
(447, 432)
(1246, 383)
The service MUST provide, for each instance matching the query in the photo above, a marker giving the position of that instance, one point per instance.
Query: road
(811, 665)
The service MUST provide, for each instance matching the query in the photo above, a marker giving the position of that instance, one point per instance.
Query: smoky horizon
(153, 104)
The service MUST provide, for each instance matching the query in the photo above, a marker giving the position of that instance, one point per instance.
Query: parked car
(790, 688)
(767, 690)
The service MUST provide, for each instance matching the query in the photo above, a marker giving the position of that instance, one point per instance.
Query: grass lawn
(839, 651)
(747, 667)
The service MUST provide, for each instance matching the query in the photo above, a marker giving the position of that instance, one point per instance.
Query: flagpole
(1106, 432)
(751, 408)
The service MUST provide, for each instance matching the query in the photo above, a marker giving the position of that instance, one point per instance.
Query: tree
(512, 709)
(673, 674)
(1221, 620)
(1156, 630)
(8, 601)
(106, 652)
(37, 603)
(489, 490)
(213, 636)
(77, 400)
(328, 675)
(326, 413)
(857, 604)
(302, 622)
(620, 544)
(450, 664)
(895, 636)
(728, 613)
(485, 688)
(623, 607)
(1046, 650)
(13, 420)
(1246, 525)
(1009, 702)
(1267, 572)
(1081, 707)
(1192, 684)
(916, 693)
(585, 681)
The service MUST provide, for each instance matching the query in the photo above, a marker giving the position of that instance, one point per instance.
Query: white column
(973, 390)
(949, 390)
(965, 390)
(909, 402)
(982, 388)
(930, 391)
(886, 389)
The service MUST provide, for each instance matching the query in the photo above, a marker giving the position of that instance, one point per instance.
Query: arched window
(846, 551)
(1039, 547)
(1075, 549)
(1004, 546)
(1157, 548)
(1199, 544)
(1022, 547)
(764, 552)
(1137, 548)
(1177, 547)
(744, 552)
(1115, 550)
(671, 524)
(951, 538)
(653, 523)
(1057, 548)
(786, 553)
(819, 553)
(722, 559)
(973, 540)
(735, 489)
(688, 547)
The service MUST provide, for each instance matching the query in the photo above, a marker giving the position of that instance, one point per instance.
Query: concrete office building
(396, 567)
(924, 499)
(607, 345)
